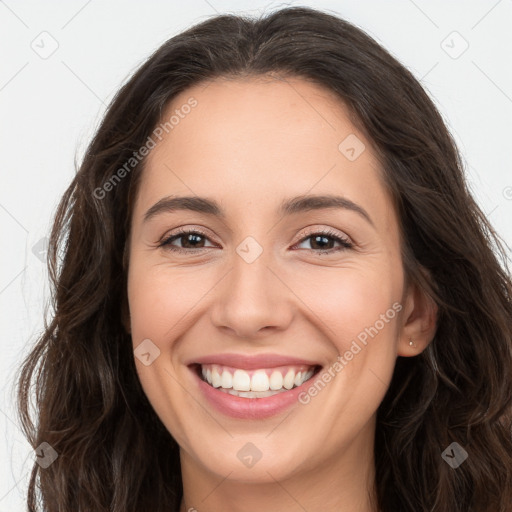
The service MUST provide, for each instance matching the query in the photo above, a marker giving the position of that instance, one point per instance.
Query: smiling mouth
(258, 383)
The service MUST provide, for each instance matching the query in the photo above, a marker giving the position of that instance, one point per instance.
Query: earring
(411, 343)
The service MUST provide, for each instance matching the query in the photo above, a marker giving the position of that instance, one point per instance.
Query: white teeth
(227, 380)
(241, 381)
(256, 384)
(259, 381)
(276, 380)
(288, 379)
(306, 376)
(216, 378)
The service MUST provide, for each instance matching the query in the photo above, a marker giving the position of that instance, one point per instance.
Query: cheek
(158, 301)
(159, 298)
(347, 302)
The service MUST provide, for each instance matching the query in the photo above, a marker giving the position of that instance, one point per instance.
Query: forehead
(291, 112)
(253, 139)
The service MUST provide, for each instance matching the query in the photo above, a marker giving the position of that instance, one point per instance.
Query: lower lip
(250, 408)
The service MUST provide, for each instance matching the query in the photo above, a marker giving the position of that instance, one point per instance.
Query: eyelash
(345, 243)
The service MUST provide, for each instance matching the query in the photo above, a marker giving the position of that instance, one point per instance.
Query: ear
(419, 321)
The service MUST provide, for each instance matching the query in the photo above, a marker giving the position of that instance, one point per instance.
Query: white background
(50, 107)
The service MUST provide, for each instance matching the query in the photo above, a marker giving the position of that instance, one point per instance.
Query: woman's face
(262, 296)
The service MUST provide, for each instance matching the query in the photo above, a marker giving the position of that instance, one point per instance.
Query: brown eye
(323, 242)
(189, 240)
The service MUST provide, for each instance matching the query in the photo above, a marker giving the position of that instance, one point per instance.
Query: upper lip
(246, 362)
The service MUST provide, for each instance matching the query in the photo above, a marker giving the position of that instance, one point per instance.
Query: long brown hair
(114, 454)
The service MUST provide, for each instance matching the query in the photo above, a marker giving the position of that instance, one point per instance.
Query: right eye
(194, 238)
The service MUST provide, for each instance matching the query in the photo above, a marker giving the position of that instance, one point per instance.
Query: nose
(252, 300)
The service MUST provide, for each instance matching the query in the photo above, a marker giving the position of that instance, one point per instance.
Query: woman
(273, 291)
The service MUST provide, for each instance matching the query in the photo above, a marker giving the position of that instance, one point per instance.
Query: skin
(249, 144)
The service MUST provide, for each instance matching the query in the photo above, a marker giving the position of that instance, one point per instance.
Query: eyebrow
(291, 206)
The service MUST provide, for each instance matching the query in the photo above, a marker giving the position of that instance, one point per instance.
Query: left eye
(322, 240)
